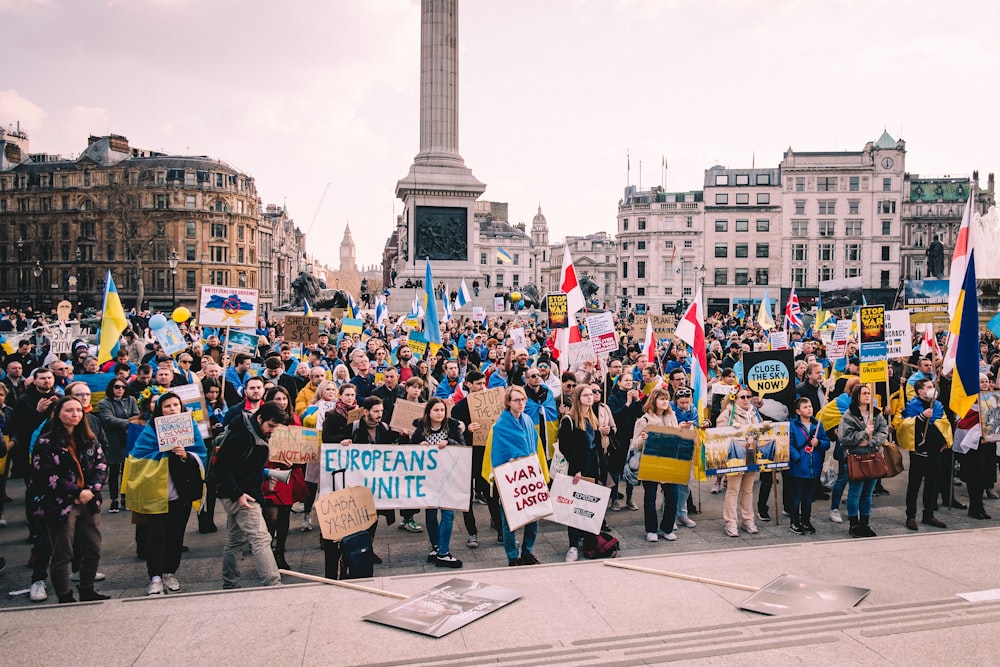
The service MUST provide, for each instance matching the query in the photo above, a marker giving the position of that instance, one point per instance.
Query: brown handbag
(893, 459)
(866, 466)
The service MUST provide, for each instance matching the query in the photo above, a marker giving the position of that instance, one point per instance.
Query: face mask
(930, 394)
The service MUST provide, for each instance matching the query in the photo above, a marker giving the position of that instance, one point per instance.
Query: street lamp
(76, 281)
(173, 279)
(702, 270)
(20, 270)
(37, 272)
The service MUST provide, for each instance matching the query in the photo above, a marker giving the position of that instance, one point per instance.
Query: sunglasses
(743, 396)
(533, 375)
(683, 393)
(118, 386)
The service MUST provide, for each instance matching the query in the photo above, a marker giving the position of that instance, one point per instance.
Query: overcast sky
(554, 94)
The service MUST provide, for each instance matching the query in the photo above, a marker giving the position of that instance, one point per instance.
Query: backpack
(607, 547)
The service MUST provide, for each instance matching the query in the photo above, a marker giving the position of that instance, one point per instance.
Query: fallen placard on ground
(790, 594)
(345, 512)
(523, 491)
(581, 505)
(294, 444)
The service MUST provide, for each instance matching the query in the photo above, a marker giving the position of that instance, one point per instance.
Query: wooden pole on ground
(678, 575)
(344, 584)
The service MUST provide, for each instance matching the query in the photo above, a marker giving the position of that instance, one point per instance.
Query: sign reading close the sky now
(220, 306)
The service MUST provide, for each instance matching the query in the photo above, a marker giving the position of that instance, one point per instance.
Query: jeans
(924, 469)
(837, 492)
(859, 496)
(510, 539)
(82, 532)
(670, 506)
(802, 498)
(683, 493)
(439, 533)
(165, 538)
(246, 524)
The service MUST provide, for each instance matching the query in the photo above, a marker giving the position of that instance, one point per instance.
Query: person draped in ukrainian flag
(161, 488)
(541, 408)
(514, 436)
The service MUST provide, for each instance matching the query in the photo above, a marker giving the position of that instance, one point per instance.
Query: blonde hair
(580, 414)
(649, 407)
(321, 389)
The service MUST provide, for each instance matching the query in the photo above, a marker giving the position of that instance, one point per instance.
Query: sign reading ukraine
(221, 306)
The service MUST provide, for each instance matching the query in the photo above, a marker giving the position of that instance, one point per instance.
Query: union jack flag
(793, 314)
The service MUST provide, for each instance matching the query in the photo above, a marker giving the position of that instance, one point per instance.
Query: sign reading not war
(402, 476)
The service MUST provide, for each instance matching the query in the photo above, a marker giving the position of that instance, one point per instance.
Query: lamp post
(20, 271)
(37, 272)
(173, 279)
(702, 270)
(76, 282)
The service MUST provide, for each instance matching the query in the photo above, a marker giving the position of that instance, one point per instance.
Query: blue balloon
(157, 322)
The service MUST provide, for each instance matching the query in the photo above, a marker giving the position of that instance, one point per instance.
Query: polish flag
(650, 344)
(575, 302)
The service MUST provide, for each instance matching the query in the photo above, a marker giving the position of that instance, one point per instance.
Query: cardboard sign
(174, 430)
(244, 342)
(664, 326)
(337, 313)
(484, 409)
(220, 306)
(345, 512)
(60, 339)
(63, 310)
(557, 306)
(301, 329)
(523, 491)
(170, 338)
(402, 476)
(518, 337)
(294, 444)
(193, 398)
(355, 414)
(730, 449)
(898, 336)
(581, 505)
(667, 455)
(404, 412)
(417, 343)
(601, 328)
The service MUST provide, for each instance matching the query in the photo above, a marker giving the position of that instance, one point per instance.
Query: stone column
(439, 84)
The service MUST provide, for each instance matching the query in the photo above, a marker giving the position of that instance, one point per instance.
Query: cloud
(15, 108)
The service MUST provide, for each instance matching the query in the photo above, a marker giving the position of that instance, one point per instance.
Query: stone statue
(531, 297)
(308, 287)
(935, 258)
(589, 288)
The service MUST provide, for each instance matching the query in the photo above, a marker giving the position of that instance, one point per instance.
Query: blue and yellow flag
(113, 322)
(306, 308)
(965, 331)
(432, 327)
(504, 256)
(352, 308)
(146, 477)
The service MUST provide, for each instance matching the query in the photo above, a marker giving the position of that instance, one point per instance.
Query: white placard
(581, 505)
(898, 336)
(779, 340)
(523, 491)
(518, 337)
(402, 476)
(173, 430)
(601, 328)
(498, 304)
(478, 313)
(221, 306)
(60, 339)
(578, 353)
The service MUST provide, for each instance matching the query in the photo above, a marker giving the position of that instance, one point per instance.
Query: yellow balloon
(515, 296)
(181, 314)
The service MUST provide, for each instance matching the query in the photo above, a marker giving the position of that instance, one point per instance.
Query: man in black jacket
(239, 474)
(476, 382)
(29, 412)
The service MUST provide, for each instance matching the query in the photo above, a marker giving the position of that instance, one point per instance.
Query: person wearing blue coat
(807, 446)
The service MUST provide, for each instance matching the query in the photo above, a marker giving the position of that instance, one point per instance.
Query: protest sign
(63, 310)
(337, 313)
(581, 505)
(667, 455)
(872, 350)
(664, 326)
(220, 306)
(60, 339)
(989, 415)
(351, 325)
(838, 346)
(498, 304)
(792, 595)
(301, 329)
(523, 491)
(732, 449)
(244, 342)
(402, 476)
(174, 430)
(193, 398)
(557, 306)
(403, 414)
(779, 340)
(898, 337)
(771, 376)
(601, 328)
(927, 301)
(355, 414)
(478, 313)
(294, 444)
(841, 293)
(170, 338)
(417, 343)
(579, 352)
(345, 512)
(518, 338)
(484, 409)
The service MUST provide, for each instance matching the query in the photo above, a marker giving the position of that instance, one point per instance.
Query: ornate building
(282, 252)
(348, 261)
(162, 224)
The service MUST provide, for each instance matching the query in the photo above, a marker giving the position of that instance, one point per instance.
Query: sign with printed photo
(731, 449)
(558, 310)
(244, 342)
(667, 455)
(193, 398)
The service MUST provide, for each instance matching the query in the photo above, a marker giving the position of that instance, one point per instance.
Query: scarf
(71, 448)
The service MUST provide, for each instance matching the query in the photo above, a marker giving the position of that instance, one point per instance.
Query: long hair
(649, 407)
(855, 406)
(321, 389)
(426, 419)
(158, 410)
(274, 391)
(80, 434)
(580, 414)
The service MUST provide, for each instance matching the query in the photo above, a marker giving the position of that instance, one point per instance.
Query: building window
(800, 183)
(826, 227)
(239, 255)
(827, 206)
(800, 207)
(741, 277)
(799, 276)
(763, 179)
(763, 225)
(516, 279)
(640, 245)
(742, 198)
(852, 272)
(761, 276)
(640, 270)
(722, 179)
(742, 179)
(189, 253)
(625, 224)
(763, 250)
(219, 253)
(883, 279)
(189, 229)
(763, 198)
(799, 252)
(189, 202)
(482, 258)
(669, 245)
(826, 252)
(721, 199)
(886, 250)
(688, 245)
(826, 273)
(721, 276)
(800, 228)
(189, 280)
(886, 185)
(826, 184)
(742, 225)
(886, 227)
(853, 207)
(722, 250)
(189, 178)
(110, 252)
(642, 223)
(742, 250)
(624, 270)
(499, 280)
(886, 207)
(640, 291)
(624, 245)
(689, 222)
(852, 252)
(720, 226)
(219, 230)
(517, 259)
(667, 291)
(852, 228)
(853, 183)
(162, 201)
(239, 232)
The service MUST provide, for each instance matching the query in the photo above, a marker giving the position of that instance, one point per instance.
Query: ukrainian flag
(432, 327)
(504, 257)
(352, 308)
(965, 331)
(146, 479)
(306, 308)
(113, 322)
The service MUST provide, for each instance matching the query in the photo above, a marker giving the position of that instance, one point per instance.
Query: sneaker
(669, 537)
(750, 528)
(3, 522)
(797, 529)
(75, 576)
(155, 588)
(652, 537)
(835, 516)
(732, 531)
(615, 507)
(686, 522)
(528, 558)
(38, 592)
(432, 556)
(472, 542)
(572, 555)
(992, 494)
(631, 505)
(447, 560)
(171, 583)
(411, 526)
(298, 508)
(90, 595)
(115, 507)
(717, 486)
(306, 524)
(764, 515)
(809, 527)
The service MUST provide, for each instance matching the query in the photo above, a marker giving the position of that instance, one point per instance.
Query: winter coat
(114, 414)
(56, 477)
(853, 436)
(802, 464)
